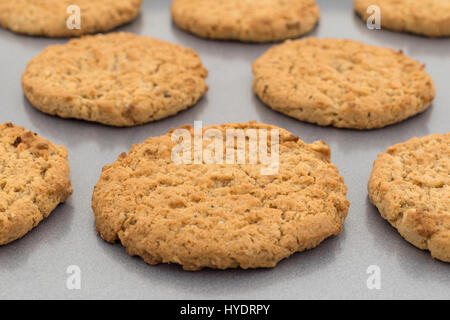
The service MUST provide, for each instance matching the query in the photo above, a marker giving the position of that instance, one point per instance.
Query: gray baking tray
(36, 266)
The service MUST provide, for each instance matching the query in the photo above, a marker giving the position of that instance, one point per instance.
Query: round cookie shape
(426, 17)
(34, 179)
(342, 83)
(246, 20)
(220, 215)
(410, 186)
(118, 79)
(50, 18)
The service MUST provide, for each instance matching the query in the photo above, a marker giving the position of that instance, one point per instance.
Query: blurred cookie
(118, 79)
(342, 83)
(425, 17)
(246, 20)
(49, 17)
(220, 215)
(410, 186)
(34, 179)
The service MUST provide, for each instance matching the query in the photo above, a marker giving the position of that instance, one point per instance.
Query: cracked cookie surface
(425, 17)
(342, 83)
(410, 186)
(220, 215)
(119, 79)
(246, 20)
(48, 17)
(34, 179)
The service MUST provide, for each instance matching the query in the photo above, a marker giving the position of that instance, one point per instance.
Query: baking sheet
(36, 266)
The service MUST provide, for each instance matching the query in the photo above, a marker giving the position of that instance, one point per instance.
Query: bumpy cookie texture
(118, 79)
(246, 20)
(34, 179)
(48, 17)
(425, 17)
(410, 186)
(342, 83)
(218, 215)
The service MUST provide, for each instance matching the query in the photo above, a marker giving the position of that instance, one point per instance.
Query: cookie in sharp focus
(34, 179)
(49, 17)
(426, 17)
(118, 79)
(410, 186)
(246, 20)
(220, 215)
(342, 83)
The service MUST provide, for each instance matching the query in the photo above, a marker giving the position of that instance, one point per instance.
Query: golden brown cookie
(118, 79)
(342, 83)
(410, 186)
(220, 215)
(49, 17)
(246, 20)
(34, 179)
(425, 17)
